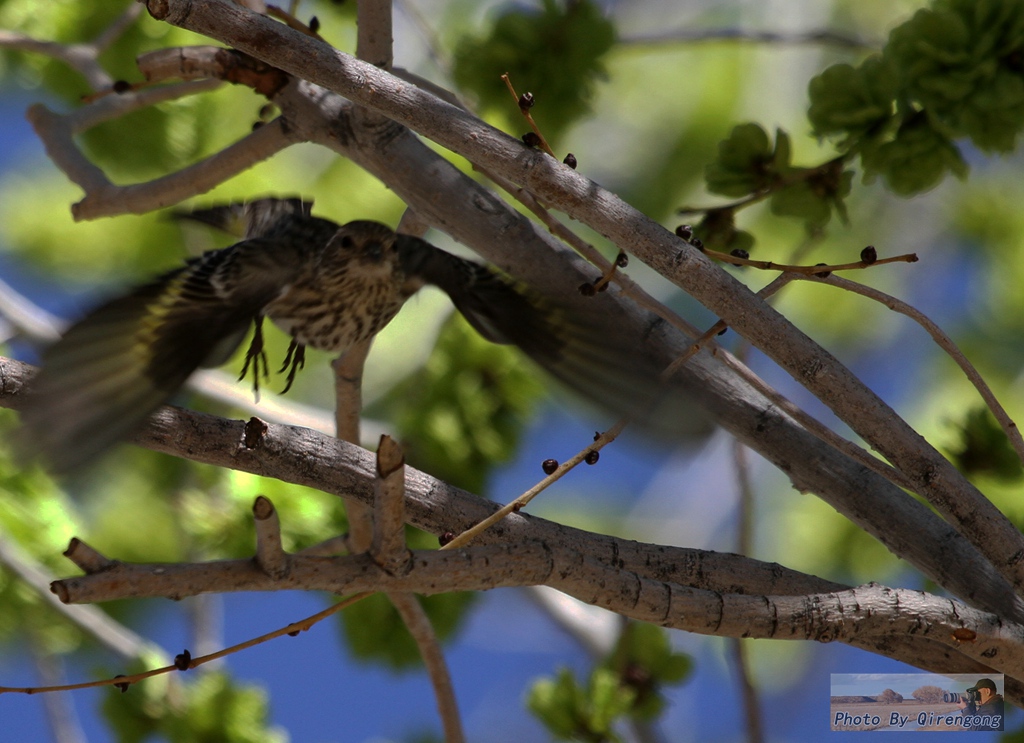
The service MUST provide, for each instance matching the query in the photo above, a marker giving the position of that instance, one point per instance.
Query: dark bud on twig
(526, 101)
(445, 538)
(570, 160)
(592, 457)
(266, 110)
(257, 125)
(622, 260)
(123, 686)
(531, 139)
(597, 435)
(723, 331)
(740, 253)
(314, 24)
(549, 466)
(697, 243)
(823, 274)
(684, 231)
(869, 255)
(183, 660)
(587, 289)
(294, 633)
(121, 86)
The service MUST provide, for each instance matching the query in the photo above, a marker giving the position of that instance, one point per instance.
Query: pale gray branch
(750, 36)
(857, 613)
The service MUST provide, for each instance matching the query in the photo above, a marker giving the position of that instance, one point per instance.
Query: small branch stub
(388, 548)
(270, 555)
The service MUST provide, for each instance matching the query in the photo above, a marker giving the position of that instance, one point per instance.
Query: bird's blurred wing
(249, 219)
(581, 341)
(112, 369)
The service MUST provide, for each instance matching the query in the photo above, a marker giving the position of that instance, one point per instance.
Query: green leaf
(813, 194)
(555, 702)
(745, 162)
(573, 712)
(717, 230)
(916, 160)
(210, 707)
(608, 701)
(644, 662)
(852, 101)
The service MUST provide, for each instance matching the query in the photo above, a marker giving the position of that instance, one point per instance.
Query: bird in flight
(327, 286)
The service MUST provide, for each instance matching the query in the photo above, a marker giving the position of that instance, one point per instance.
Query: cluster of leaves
(627, 685)
(571, 36)
(750, 166)
(952, 71)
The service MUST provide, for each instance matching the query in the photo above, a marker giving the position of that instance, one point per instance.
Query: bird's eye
(346, 241)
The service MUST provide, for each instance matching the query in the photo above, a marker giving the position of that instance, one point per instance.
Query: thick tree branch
(845, 616)
(305, 457)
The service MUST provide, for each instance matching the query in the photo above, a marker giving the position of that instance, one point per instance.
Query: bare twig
(600, 441)
(946, 343)
(524, 109)
(808, 270)
(704, 35)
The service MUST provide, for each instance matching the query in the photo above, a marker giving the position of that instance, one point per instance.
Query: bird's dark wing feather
(112, 369)
(604, 362)
(249, 219)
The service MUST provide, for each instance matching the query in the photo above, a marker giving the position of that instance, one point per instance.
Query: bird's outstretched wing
(113, 368)
(603, 362)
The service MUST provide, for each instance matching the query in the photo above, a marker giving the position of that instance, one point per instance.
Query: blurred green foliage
(464, 411)
(953, 71)
(555, 52)
(984, 448)
(210, 707)
(627, 684)
(374, 631)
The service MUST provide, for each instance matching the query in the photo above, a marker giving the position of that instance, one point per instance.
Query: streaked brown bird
(328, 287)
